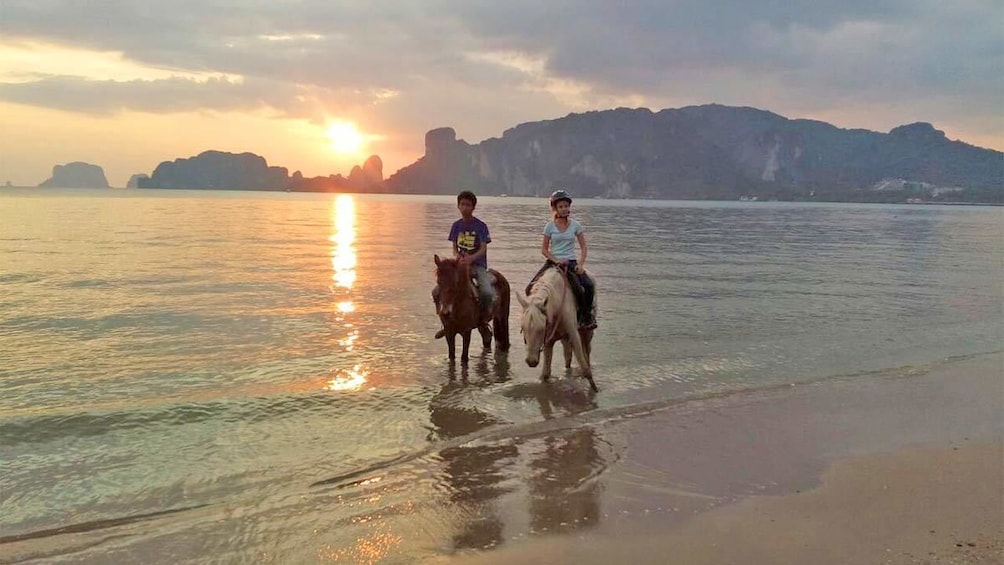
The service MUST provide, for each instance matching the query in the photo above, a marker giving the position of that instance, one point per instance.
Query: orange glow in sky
(319, 95)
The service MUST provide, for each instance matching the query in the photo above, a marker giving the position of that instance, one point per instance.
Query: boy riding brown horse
(470, 238)
(461, 311)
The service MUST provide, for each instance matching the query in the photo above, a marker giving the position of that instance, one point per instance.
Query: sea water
(253, 376)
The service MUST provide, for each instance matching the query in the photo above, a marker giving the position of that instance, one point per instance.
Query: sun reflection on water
(343, 264)
(348, 379)
(374, 546)
(343, 254)
(349, 341)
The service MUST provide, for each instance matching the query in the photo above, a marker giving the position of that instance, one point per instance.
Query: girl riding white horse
(549, 315)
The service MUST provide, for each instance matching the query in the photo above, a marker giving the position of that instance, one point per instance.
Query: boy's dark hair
(467, 195)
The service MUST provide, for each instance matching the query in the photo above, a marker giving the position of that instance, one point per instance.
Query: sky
(319, 85)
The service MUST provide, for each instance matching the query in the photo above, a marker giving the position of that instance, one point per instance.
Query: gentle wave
(40, 429)
(94, 525)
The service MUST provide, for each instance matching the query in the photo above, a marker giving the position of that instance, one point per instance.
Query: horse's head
(533, 325)
(451, 276)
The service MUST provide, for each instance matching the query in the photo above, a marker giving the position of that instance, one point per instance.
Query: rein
(561, 305)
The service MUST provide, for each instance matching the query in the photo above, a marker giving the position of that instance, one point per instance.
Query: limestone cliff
(699, 152)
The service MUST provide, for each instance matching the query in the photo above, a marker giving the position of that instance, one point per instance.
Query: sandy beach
(897, 467)
(903, 467)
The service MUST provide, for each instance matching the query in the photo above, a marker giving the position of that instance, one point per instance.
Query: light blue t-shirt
(563, 242)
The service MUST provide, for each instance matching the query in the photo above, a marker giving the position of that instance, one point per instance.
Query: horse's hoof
(545, 378)
(440, 334)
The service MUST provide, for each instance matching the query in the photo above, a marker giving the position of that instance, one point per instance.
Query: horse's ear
(521, 299)
(436, 258)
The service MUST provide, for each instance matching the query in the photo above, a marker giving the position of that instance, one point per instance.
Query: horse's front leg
(586, 337)
(580, 356)
(586, 341)
(451, 341)
(567, 350)
(545, 369)
(486, 336)
(465, 349)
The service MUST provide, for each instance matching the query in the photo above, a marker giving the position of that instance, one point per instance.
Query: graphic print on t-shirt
(467, 240)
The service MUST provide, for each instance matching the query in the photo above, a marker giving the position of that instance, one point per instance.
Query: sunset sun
(345, 138)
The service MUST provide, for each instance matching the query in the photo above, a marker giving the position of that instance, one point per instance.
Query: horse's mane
(450, 263)
(535, 317)
(548, 285)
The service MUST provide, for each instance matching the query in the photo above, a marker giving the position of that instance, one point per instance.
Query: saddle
(474, 286)
(585, 312)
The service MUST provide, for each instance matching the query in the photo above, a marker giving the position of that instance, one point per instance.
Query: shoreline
(903, 468)
(450, 195)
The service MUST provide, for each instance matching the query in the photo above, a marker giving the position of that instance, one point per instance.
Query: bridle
(456, 280)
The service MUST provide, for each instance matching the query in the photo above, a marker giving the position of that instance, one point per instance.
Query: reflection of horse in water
(549, 316)
(566, 463)
(564, 481)
(557, 472)
(474, 475)
(555, 399)
(451, 410)
(458, 308)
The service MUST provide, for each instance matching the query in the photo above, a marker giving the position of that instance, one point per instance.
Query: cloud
(653, 46)
(109, 97)
(269, 98)
(309, 59)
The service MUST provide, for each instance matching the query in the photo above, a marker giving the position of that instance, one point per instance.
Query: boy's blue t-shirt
(469, 237)
(563, 242)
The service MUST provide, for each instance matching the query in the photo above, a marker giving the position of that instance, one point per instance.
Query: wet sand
(897, 467)
(905, 467)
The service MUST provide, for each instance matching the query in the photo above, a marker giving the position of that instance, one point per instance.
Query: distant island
(709, 152)
(76, 175)
(218, 170)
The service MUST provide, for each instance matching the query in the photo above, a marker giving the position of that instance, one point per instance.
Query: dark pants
(582, 287)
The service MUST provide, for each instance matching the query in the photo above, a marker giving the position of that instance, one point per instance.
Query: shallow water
(262, 365)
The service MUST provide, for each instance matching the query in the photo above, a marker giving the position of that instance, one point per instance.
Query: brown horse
(458, 309)
(549, 317)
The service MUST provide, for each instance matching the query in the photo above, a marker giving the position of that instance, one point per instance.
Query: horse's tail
(500, 322)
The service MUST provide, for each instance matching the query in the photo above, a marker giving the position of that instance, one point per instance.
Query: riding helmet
(559, 195)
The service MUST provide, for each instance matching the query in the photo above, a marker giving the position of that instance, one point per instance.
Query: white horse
(549, 316)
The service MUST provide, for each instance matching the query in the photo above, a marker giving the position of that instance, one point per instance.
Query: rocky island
(76, 175)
